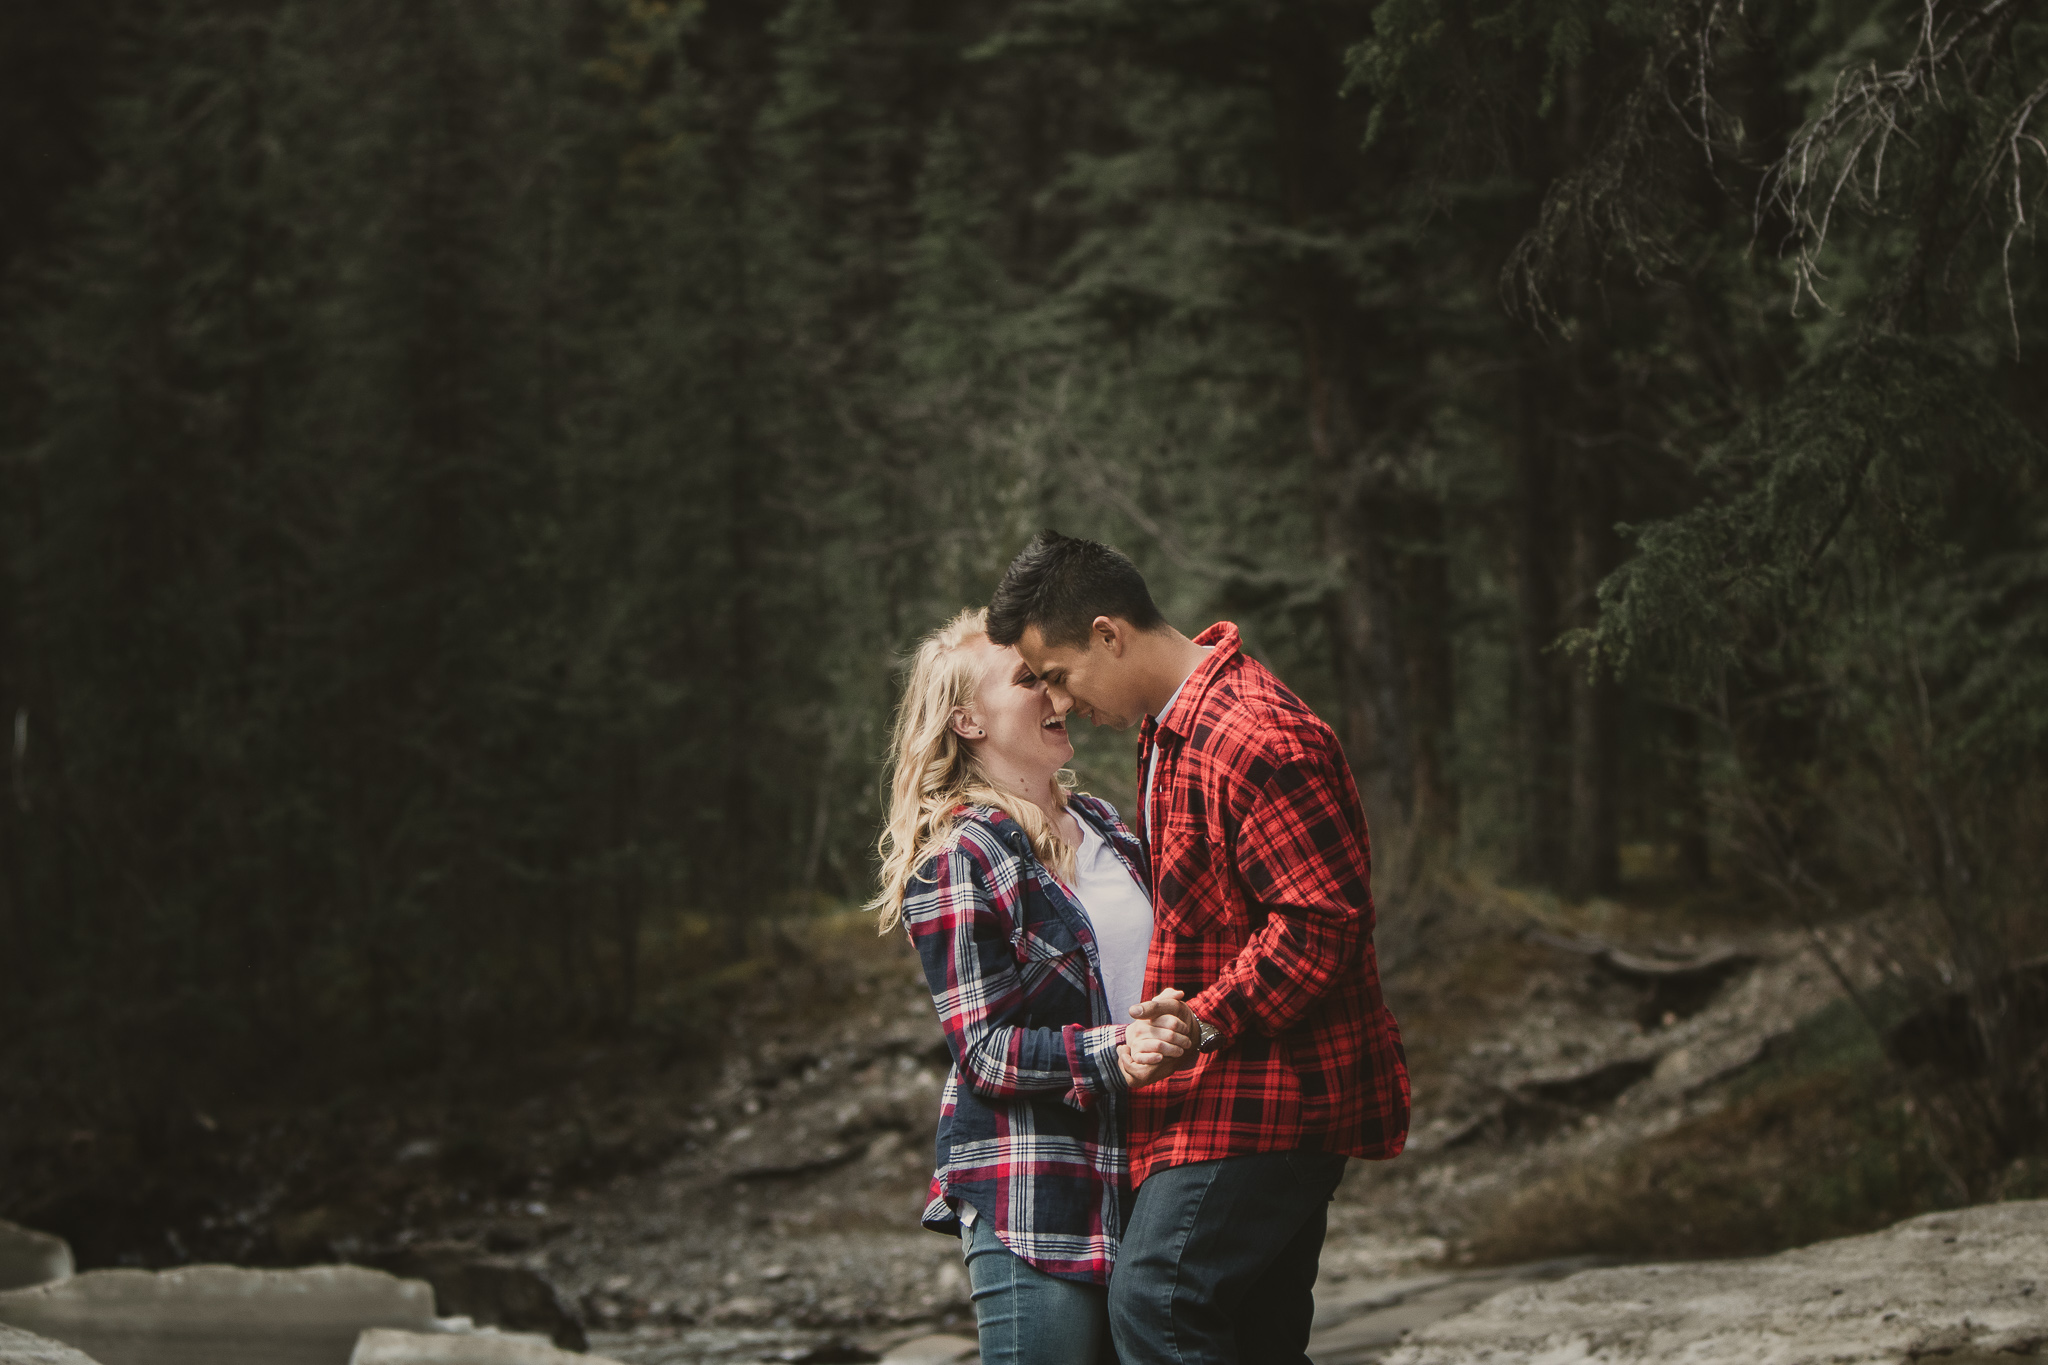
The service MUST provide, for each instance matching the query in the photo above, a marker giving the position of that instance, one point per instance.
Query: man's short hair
(1061, 584)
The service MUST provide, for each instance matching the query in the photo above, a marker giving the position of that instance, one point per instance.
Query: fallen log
(1674, 986)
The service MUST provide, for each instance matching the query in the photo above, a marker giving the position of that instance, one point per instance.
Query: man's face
(1097, 679)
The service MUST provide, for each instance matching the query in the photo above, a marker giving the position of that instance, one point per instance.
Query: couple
(1164, 1044)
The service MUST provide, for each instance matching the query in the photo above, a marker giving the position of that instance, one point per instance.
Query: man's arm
(1302, 855)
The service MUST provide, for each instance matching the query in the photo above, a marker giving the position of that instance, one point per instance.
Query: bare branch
(1841, 157)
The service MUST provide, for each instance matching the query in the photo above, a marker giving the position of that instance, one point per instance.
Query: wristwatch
(1207, 1036)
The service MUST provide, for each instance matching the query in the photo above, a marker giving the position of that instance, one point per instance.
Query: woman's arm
(962, 931)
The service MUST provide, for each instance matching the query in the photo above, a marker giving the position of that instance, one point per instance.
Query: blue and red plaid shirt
(1032, 1127)
(1263, 916)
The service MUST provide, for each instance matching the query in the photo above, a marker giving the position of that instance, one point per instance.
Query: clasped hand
(1159, 1040)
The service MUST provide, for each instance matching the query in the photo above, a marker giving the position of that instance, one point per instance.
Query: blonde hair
(933, 772)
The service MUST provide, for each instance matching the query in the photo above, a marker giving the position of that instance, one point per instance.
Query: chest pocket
(1196, 888)
(1041, 935)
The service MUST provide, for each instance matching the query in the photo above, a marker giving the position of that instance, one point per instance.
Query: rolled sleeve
(963, 941)
(1091, 1056)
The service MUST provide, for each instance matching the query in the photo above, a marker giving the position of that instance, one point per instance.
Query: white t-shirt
(1152, 768)
(1120, 912)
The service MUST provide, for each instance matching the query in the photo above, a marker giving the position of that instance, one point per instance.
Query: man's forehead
(1034, 648)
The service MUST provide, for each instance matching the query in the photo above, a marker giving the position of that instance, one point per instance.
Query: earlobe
(966, 727)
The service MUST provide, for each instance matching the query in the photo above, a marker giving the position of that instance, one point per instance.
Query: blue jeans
(1218, 1266)
(1027, 1317)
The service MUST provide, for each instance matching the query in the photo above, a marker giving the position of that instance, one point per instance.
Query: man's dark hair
(1061, 584)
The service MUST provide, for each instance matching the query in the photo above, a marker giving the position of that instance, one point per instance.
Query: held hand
(1167, 1004)
(1139, 1076)
(1151, 1043)
(1159, 1042)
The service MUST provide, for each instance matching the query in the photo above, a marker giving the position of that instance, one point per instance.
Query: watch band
(1207, 1036)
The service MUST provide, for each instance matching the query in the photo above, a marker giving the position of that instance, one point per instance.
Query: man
(1262, 899)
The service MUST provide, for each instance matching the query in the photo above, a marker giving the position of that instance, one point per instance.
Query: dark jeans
(1219, 1264)
(1027, 1317)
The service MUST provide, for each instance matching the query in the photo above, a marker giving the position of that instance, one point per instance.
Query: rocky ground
(764, 1205)
(1961, 1286)
(1539, 1043)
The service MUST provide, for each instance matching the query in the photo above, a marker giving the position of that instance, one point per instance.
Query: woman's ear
(966, 726)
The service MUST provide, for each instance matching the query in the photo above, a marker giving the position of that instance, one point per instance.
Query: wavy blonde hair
(932, 772)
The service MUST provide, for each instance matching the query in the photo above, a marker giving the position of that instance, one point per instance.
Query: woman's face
(1027, 739)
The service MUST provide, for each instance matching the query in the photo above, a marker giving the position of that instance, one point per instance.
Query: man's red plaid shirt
(1262, 902)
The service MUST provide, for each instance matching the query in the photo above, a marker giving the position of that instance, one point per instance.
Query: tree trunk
(739, 813)
(1388, 617)
(1540, 846)
(1426, 588)
(1695, 862)
(1363, 611)
(1593, 865)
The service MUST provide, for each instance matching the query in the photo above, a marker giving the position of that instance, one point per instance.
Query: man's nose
(1062, 701)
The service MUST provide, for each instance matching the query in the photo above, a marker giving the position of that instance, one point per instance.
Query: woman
(1028, 907)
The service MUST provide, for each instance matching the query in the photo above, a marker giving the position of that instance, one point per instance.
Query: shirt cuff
(1091, 1057)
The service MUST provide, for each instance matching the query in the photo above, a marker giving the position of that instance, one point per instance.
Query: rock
(938, 1349)
(831, 1158)
(28, 1257)
(1972, 1283)
(385, 1347)
(1356, 1322)
(26, 1348)
(744, 1308)
(837, 1351)
(220, 1315)
(490, 1290)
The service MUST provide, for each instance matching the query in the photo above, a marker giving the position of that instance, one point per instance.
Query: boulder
(220, 1315)
(1962, 1285)
(492, 1291)
(28, 1257)
(1356, 1322)
(386, 1347)
(26, 1348)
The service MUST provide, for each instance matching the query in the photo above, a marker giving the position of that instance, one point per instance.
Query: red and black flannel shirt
(1263, 916)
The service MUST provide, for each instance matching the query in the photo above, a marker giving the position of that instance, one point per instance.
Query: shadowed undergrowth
(1824, 1139)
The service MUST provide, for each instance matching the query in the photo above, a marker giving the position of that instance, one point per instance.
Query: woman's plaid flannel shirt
(1032, 1125)
(1262, 914)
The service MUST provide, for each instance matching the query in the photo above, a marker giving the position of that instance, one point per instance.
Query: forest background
(470, 473)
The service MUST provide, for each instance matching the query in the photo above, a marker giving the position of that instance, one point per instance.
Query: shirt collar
(1179, 718)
